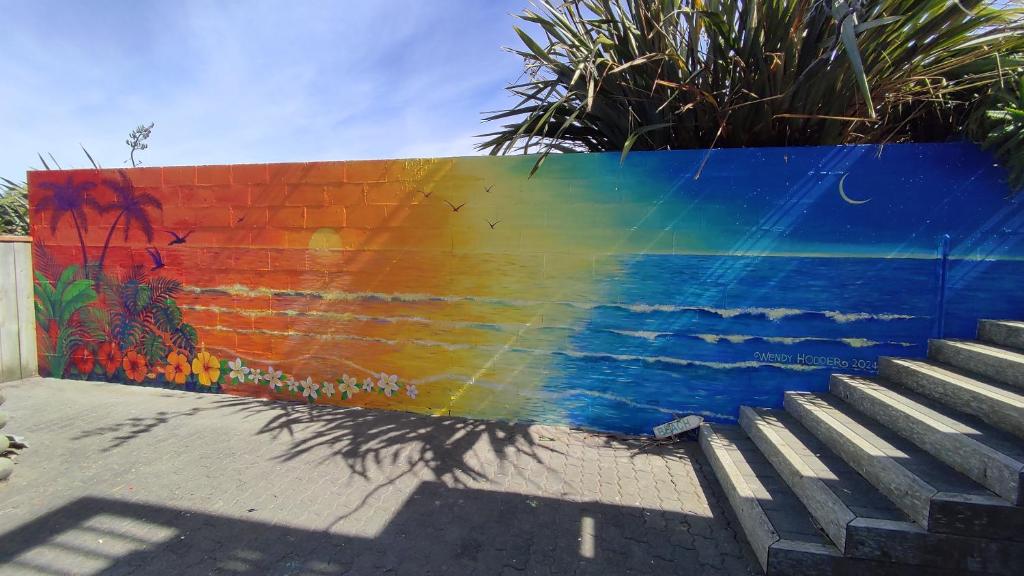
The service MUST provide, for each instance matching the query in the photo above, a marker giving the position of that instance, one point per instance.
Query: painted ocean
(704, 334)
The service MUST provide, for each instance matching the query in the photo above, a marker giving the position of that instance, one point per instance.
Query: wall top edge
(697, 151)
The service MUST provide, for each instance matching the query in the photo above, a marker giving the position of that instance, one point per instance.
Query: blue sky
(250, 81)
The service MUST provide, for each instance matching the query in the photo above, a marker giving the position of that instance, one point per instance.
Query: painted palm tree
(130, 205)
(67, 198)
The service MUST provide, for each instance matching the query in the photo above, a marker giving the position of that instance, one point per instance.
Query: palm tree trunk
(81, 242)
(106, 243)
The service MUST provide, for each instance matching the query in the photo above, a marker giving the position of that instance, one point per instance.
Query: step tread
(1009, 333)
(787, 515)
(986, 348)
(1011, 323)
(939, 415)
(918, 462)
(859, 495)
(974, 383)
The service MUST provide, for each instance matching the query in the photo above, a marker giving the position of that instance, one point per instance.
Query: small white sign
(677, 426)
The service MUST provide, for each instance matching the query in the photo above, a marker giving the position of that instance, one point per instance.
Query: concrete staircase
(919, 470)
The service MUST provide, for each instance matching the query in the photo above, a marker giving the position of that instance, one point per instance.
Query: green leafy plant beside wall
(673, 74)
(13, 208)
(58, 307)
(999, 127)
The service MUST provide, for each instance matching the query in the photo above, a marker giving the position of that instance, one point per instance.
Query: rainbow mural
(602, 293)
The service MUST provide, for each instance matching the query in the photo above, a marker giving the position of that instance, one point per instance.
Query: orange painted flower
(109, 357)
(83, 360)
(206, 367)
(177, 369)
(135, 366)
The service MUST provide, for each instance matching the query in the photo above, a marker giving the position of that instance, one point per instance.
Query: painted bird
(178, 239)
(454, 207)
(493, 224)
(158, 261)
(489, 188)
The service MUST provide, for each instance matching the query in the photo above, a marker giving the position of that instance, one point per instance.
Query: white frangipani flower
(411, 390)
(309, 388)
(348, 387)
(327, 388)
(273, 378)
(388, 384)
(238, 371)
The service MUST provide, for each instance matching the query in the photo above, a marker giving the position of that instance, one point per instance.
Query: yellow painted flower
(206, 367)
(177, 369)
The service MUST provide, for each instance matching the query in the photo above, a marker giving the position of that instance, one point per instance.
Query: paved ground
(125, 480)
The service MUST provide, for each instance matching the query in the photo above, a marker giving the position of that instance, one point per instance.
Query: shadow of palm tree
(363, 438)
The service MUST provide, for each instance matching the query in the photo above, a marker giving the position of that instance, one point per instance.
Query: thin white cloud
(251, 81)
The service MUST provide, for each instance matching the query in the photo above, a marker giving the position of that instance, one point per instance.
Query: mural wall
(596, 293)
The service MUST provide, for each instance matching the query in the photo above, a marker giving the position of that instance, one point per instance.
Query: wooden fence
(17, 317)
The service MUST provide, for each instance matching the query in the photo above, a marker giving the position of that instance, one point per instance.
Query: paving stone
(186, 483)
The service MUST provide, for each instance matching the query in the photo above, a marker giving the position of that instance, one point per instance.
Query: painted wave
(490, 349)
(767, 313)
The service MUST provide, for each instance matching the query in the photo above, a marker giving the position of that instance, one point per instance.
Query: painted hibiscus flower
(206, 367)
(83, 360)
(177, 369)
(135, 367)
(109, 357)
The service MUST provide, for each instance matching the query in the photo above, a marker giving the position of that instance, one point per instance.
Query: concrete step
(1002, 364)
(1006, 333)
(989, 456)
(998, 404)
(778, 528)
(937, 497)
(859, 520)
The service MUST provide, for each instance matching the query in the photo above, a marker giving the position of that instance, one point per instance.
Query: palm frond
(605, 75)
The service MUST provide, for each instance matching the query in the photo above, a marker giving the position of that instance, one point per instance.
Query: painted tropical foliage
(98, 322)
(119, 325)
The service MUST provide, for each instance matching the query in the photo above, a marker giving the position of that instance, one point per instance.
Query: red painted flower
(83, 360)
(109, 357)
(135, 366)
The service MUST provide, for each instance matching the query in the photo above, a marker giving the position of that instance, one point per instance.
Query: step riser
(827, 510)
(1001, 334)
(1000, 413)
(955, 449)
(1000, 369)
(793, 560)
(883, 541)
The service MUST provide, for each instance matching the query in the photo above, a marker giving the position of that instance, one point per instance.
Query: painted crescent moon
(842, 193)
